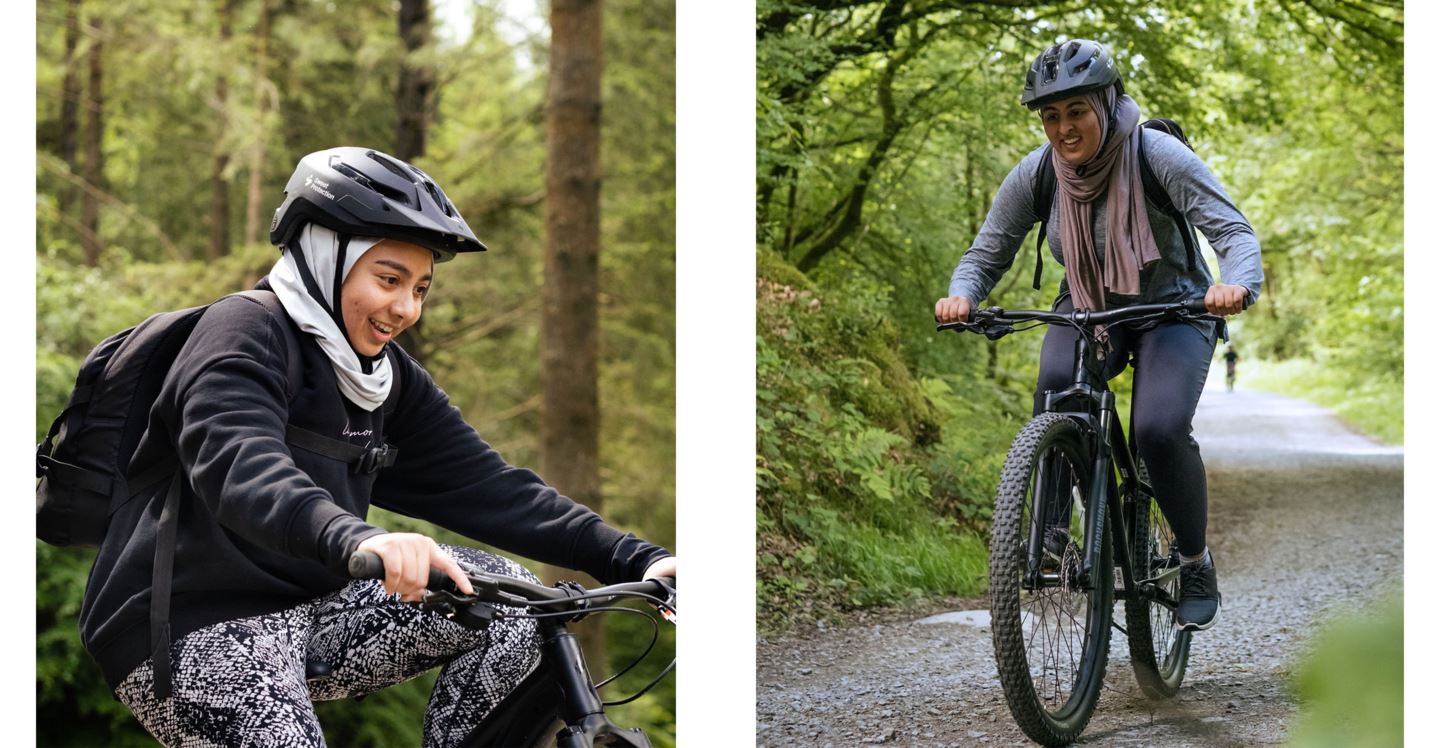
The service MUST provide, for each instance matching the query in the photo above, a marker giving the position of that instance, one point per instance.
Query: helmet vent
(439, 198)
(344, 168)
(379, 188)
(391, 165)
(1070, 50)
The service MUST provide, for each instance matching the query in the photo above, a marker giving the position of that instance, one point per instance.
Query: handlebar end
(366, 565)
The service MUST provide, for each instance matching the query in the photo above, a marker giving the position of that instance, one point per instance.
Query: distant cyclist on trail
(1117, 250)
(262, 616)
(1230, 358)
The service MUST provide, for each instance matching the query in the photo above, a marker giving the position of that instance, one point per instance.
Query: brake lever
(667, 609)
(467, 610)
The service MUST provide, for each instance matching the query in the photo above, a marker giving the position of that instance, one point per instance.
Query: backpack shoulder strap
(1156, 194)
(272, 304)
(161, 576)
(1043, 197)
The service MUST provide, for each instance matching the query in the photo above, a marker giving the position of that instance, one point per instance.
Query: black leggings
(242, 682)
(1171, 363)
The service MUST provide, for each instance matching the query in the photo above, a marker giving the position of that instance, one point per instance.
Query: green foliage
(1352, 686)
(868, 489)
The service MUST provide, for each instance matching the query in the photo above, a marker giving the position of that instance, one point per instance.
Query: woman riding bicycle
(259, 593)
(1118, 250)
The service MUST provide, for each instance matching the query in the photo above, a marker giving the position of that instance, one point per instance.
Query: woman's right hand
(952, 309)
(408, 557)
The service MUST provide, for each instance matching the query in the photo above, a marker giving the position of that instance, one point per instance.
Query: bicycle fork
(581, 708)
(1103, 490)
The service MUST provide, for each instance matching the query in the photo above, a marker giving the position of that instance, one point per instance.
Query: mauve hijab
(1129, 243)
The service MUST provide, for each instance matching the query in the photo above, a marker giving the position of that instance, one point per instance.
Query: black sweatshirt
(264, 527)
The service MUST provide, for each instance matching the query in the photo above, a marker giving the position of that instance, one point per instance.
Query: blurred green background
(884, 129)
(166, 131)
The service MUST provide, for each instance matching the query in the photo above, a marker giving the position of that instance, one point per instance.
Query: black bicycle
(1075, 505)
(559, 694)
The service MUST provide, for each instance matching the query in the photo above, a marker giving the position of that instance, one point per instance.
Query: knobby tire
(1159, 650)
(1069, 672)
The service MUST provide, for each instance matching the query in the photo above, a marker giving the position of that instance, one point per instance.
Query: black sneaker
(1199, 607)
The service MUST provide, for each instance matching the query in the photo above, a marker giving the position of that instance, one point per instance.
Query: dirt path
(1305, 521)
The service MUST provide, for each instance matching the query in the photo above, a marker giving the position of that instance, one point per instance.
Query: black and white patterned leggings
(242, 682)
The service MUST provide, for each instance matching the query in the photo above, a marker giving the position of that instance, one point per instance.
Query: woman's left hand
(1224, 299)
(665, 567)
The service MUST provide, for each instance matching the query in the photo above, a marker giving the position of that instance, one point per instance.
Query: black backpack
(83, 465)
(1045, 184)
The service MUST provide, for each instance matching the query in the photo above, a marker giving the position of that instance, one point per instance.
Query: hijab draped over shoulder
(1115, 167)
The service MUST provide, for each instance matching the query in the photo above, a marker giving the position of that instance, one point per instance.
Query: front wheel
(1159, 649)
(1049, 619)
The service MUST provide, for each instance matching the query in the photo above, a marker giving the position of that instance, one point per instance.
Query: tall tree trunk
(570, 335)
(94, 155)
(254, 195)
(219, 188)
(412, 110)
(412, 97)
(70, 102)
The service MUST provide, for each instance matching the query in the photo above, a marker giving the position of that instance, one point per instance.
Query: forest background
(166, 131)
(884, 129)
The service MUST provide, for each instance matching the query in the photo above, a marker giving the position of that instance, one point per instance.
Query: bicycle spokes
(1055, 609)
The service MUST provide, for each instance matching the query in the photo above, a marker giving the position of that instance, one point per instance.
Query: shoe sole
(1188, 626)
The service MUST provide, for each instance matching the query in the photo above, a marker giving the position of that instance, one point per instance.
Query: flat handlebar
(980, 318)
(499, 588)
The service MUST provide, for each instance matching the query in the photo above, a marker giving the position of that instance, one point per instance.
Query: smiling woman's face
(383, 293)
(1073, 128)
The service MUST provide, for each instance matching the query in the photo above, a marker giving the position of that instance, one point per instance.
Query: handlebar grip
(1197, 306)
(367, 565)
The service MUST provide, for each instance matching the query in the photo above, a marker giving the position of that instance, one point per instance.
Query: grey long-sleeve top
(1191, 187)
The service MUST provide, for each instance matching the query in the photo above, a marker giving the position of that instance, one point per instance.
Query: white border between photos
(1422, 163)
(17, 54)
(715, 374)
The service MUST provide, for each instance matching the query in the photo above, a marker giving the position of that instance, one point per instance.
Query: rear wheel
(1049, 620)
(1159, 650)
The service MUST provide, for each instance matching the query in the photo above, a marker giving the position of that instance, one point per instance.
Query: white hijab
(320, 247)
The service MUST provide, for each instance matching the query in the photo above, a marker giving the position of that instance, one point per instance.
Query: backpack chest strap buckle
(375, 458)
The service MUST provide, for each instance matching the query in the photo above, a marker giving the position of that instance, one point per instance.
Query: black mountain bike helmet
(363, 192)
(1075, 67)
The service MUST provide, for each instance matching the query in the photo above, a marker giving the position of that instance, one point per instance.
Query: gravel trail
(1305, 523)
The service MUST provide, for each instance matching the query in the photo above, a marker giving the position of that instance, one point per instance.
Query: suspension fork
(1109, 448)
(1116, 455)
(580, 706)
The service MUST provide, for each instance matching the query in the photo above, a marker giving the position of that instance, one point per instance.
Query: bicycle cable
(657, 602)
(654, 637)
(668, 669)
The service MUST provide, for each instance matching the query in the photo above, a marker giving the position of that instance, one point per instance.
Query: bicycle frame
(1090, 402)
(1072, 464)
(559, 688)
